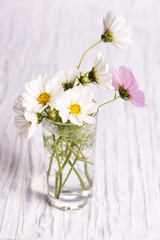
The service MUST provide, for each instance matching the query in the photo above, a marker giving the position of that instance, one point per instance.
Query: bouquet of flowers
(65, 106)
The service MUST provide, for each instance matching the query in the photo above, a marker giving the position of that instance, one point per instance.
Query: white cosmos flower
(41, 92)
(116, 32)
(75, 105)
(66, 79)
(99, 74)
(26, 122)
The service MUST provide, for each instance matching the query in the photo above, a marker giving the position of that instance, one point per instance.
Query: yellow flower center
(75, 109)
(44, 98)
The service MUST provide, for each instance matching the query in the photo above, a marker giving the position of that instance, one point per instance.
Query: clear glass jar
(71, 152)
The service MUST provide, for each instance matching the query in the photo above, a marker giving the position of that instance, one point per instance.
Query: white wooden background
(50, 35)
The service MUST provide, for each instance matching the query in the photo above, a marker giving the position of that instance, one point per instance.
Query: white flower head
(116, 32)
(75, 105)
(41, 92)
(67, 79)
(100, 75)
(26, 122)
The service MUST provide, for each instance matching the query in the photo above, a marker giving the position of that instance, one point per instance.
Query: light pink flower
(125, 82)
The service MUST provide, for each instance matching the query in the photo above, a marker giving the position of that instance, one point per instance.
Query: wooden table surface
(48, 36)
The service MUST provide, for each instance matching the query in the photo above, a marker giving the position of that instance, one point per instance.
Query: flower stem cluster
(67, 147)
(47, 113)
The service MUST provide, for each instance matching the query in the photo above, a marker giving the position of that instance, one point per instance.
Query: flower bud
(53, 114)
(84, 79)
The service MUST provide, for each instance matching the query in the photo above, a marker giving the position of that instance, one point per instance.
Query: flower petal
(138, 98)
(115, 79)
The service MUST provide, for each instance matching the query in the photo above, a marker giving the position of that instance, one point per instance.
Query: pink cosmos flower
(125, 82)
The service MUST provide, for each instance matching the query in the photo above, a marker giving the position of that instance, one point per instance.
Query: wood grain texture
(48, 36)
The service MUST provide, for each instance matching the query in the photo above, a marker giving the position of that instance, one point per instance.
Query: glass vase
(71, 153)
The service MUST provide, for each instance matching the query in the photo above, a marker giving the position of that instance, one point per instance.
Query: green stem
(68, 175)
(80, 159)
(87, 51)
(85, 161)
(76, 172)
(60, 184)
(56, 185)
(83, 157)
(59, 164)
(87, 174)
(59, 173)
(67, 159)
(86, 167)
(79, 176)
(70, 147)
(77, 156)
(109, 101)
